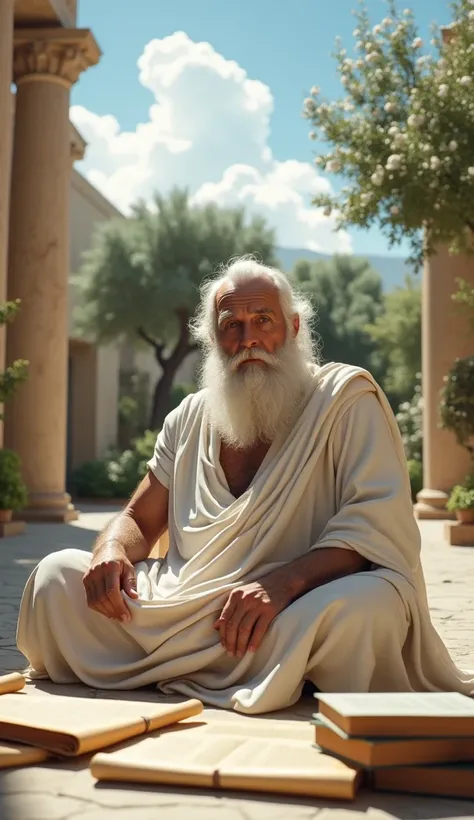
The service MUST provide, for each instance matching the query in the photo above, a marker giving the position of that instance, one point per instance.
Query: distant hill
(392, 269)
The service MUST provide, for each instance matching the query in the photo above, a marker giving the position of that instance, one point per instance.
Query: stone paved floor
(49, 792)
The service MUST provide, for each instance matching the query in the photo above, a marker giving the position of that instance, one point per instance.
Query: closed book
(13, 682)
(228, 757)
(400, 714)
(75, 726)
(16, 754)
(374, 752)
(456, 780)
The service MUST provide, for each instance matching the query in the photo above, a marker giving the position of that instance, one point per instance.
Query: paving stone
(68, 791)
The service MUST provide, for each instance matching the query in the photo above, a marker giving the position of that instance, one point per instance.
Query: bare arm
(128, 539)
(137, 528)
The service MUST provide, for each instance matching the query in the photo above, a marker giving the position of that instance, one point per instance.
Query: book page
(400, 704)
(223, 748)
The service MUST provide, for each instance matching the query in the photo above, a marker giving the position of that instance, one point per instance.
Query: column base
(49, 507)
(459, 535)
(431, 505)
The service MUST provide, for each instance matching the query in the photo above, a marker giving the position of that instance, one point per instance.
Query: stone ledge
(459, 535)
(12, 528)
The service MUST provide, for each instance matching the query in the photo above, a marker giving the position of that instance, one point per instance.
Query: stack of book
(419, 743)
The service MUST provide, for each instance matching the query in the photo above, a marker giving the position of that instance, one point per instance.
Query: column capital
(56, 55)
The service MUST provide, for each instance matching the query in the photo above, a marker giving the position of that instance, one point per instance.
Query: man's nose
(248, 339)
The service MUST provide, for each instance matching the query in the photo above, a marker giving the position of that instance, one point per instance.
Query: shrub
(117, 474)
(410, 420)
(13, 492)
(457, 402)
(415, 471)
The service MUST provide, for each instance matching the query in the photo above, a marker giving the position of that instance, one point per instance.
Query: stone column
(6, 125)
(46, 64)
(446, 337)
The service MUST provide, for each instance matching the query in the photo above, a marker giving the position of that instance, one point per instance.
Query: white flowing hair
(239, 271)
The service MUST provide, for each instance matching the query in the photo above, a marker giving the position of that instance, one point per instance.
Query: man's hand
(248, 613)
(109, 573)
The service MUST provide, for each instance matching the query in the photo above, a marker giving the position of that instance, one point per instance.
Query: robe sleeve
(161, 463)
(374, 511)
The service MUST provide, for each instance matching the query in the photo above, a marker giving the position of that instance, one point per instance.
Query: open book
(225, 755)
(73, 726)
(13, 682)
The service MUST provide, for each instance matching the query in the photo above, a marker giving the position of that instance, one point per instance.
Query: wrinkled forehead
(248, 296)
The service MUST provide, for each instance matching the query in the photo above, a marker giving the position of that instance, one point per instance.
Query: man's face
(250, 321)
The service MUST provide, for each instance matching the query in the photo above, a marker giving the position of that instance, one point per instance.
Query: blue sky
(284, 44)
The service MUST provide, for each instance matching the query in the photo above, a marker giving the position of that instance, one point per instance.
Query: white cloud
(208, 130)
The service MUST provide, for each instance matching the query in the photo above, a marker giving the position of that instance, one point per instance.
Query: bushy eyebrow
(223, 315)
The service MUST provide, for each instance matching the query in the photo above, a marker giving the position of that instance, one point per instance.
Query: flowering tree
(403, 137)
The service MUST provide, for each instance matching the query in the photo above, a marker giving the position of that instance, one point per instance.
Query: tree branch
(146, 337)
(157, 346)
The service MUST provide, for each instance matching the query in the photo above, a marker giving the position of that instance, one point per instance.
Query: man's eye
(232, 325)
(263, 319)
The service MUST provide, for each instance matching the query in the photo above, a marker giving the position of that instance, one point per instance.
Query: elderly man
(293, 551)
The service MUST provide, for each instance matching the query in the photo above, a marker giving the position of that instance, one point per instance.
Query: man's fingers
(129, 582)
(245, 632)
(258, 632)
(96, 597)
(114, 594)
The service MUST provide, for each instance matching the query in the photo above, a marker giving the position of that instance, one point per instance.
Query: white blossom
(327, 211)
(394, 210)
(318, 161)
(393, 130)
(393, 163)
(372, 57)
(377, 29)
(387, 22)
(416, 120)
(421, 61)
(400, 140)
(360, 63)
(309, 107)
(379, 73)
(312, 135)
(359, 45)
(435, 163)
(390, 107)
(471, 15)
(470, 171)
(417, 43)
(365, 198)
(348, 63)
(315, 91)
(453, 146)
(466, 80)
(356, 32)
(443, 90)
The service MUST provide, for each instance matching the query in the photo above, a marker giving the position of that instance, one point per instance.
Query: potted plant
(13, 493)
(461, 501)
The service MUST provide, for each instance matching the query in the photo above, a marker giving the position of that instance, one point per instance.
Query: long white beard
(254, 403)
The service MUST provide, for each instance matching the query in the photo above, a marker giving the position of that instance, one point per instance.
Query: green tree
(403, 136)
(17, 372)
(396, 333)
(347, 295)
(141, 278)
